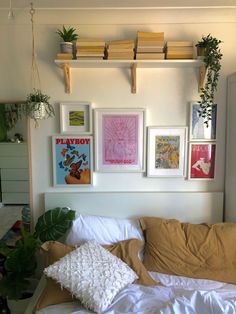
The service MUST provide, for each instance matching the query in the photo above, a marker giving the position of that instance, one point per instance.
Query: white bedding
(178, 295)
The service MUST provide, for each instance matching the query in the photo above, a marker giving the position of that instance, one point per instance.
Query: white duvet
(178, 295)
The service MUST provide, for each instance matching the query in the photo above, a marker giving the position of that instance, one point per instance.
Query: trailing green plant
(212, 57)
(38, 106)
(10, 114)
(21, 260)
(67, 34)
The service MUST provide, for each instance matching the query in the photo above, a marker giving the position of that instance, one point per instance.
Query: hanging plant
(37, 106)
(12, 114)
(211, 57)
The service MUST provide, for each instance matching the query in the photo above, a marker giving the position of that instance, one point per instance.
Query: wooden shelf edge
(66, 65)
(128, 63)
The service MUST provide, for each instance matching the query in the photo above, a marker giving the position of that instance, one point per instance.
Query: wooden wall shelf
(66, 65)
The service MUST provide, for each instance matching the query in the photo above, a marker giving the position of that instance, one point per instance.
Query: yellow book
(87, 54)
(121, 58)
(91, 48)
(183, 49)
(150, 49)
(121, 54)
(179, 43)
(148, 43)
(127, 44)
(90, 58)
(64, 56)
(179, 56)
(120, 50)
(151, 56)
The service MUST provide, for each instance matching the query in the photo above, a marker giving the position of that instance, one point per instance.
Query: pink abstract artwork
(120, 139)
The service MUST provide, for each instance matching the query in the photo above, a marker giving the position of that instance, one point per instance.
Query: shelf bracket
(202, 75)
(67, 77)
(133, 78)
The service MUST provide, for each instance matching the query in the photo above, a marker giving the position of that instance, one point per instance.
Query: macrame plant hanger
(37, 105)
(35, 79)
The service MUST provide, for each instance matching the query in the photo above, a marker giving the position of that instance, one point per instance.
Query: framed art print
(198, 130)
(119, 140)
(202, 160)
(166, 151)
(72, 160)
(76, 118)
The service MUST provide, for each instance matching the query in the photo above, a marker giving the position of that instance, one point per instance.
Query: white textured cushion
(104, 230)
(92, 274)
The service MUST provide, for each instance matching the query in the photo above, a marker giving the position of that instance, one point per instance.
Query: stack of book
(64, 56)
(150, 45)
(120, 49)
(179, 50)
(90, 48)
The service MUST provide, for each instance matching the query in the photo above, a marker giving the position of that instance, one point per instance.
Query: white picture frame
(198, 130)
(167, 149)
(76, 118)
(72, 160)
(119, 140)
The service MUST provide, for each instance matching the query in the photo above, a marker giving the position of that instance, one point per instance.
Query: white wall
(165, 93)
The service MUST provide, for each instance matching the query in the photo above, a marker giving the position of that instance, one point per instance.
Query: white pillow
(104, 230)
(92, 274)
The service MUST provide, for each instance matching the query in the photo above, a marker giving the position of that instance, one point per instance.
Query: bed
(172, 293)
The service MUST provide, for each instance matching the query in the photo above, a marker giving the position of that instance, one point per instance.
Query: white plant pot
(40, 113)
(19, 306)
(66, 47)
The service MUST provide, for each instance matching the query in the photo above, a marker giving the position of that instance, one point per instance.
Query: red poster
(202, 161)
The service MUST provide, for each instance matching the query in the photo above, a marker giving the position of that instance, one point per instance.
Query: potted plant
(38, 107)
(212, 55)
(21, 260)
(68, 36)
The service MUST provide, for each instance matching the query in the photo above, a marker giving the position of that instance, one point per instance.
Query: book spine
(179, 56)
(179, 43)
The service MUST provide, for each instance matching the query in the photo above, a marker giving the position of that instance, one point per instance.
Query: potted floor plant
(21, 260)
(209, 49)
(68, 36)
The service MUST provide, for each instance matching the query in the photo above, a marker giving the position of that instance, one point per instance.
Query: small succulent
(67, 34)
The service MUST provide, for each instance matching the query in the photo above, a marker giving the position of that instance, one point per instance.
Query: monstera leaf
(54, 223)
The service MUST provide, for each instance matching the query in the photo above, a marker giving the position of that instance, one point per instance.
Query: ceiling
(103, 4)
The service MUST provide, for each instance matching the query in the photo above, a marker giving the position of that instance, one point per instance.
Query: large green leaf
(54, 223)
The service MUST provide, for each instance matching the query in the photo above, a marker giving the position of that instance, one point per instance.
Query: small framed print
(120, 140)
(72, 160)
(166, 152)
(202, 161)
(76, 118)
(198, 130)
